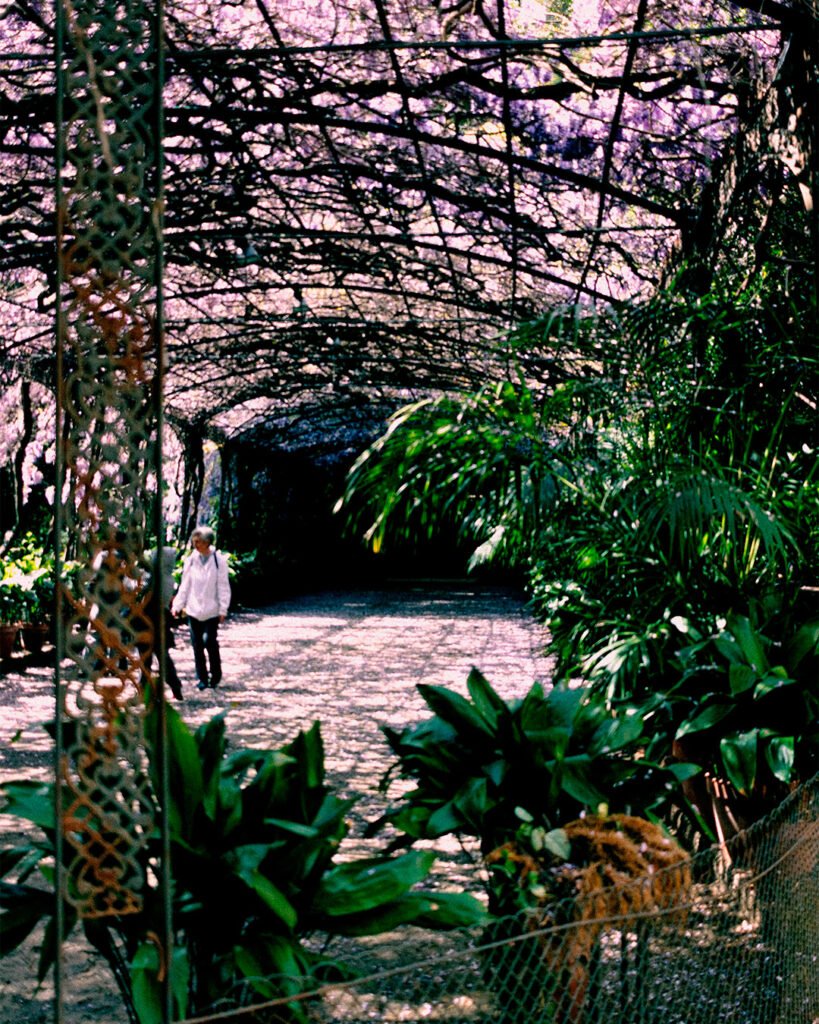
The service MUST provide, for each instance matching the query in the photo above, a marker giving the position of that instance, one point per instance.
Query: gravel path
(350, 659)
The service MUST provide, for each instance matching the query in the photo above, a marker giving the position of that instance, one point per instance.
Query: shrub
(477, 762)
(253, 836)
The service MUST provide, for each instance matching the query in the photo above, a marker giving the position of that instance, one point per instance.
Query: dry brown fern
(622, 868)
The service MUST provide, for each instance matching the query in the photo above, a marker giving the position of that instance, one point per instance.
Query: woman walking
(204, 596)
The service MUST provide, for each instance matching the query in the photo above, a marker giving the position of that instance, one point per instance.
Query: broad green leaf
(17, 923)
(238, 762)
(229, 805)
(274, 966)
(429, 910)
(775, 680)
(575, 780)
(295, 827)
(496, 771)
(551, 741)
(780, 755)
(473, 800)
(308, 750)
(564, 704)
(272, 787)
(272, 897)
(330, 817)
(434, 735)
(12, 856)
(246, 862)
(488, 702)
(184, 775)
(728, 647)
(617, 733)
(555, 841)
(804, 643)
(210, 741)
(251, 969)
(285, 957)
(444, 819)
(706, 719)
(741, 678)
(749, 642)
(146, 990)
(739, 756)
(180, 979)
(451, 910)
(210, 738)
(363, 885)
(412, 820)
(454, 709)
(682, 770)
(32, 801)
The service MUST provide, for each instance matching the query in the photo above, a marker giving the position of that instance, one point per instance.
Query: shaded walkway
(350, 659)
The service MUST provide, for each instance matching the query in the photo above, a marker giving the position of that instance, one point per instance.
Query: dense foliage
(253, 839)
(482, 765)
(663, 503)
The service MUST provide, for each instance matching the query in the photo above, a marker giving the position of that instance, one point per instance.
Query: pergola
(269, 224)
(361, 199)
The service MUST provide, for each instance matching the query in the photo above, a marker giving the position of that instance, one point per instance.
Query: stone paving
(350, 659)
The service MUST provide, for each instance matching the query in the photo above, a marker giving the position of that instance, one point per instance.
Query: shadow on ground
(351, 659)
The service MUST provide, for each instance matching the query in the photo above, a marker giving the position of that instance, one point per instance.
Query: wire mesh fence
(729, 937)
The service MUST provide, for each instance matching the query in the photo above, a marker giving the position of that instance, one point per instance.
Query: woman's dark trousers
(204, 637)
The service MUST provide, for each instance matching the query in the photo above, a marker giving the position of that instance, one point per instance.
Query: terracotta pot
(8, 638)
(34, 636)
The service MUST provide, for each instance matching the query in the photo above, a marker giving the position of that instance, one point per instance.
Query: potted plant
(39, 603)
(28, 594)
(12, 610)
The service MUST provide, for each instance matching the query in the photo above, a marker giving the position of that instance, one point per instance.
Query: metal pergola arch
(310, 233)
(404, 194)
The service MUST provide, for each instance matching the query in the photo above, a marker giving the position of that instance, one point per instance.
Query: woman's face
(201, 545)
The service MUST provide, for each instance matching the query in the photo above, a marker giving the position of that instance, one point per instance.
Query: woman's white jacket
(204, 592)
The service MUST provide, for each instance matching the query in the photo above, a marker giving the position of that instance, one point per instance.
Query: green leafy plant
(515, 775)
(12, 596)
(480, 762)
(680, 541)
(480, 460)
(746, 708)
(27, 583)
(253, 837)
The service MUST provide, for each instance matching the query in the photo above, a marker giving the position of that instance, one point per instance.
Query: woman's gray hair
(203, 533)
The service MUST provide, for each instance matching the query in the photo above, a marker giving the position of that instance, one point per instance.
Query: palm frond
(483, 460)
(703, 511)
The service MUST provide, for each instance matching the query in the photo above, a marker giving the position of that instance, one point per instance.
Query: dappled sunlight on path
(353, 660)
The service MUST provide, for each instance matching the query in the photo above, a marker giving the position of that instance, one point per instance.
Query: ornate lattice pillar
(109, 235)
